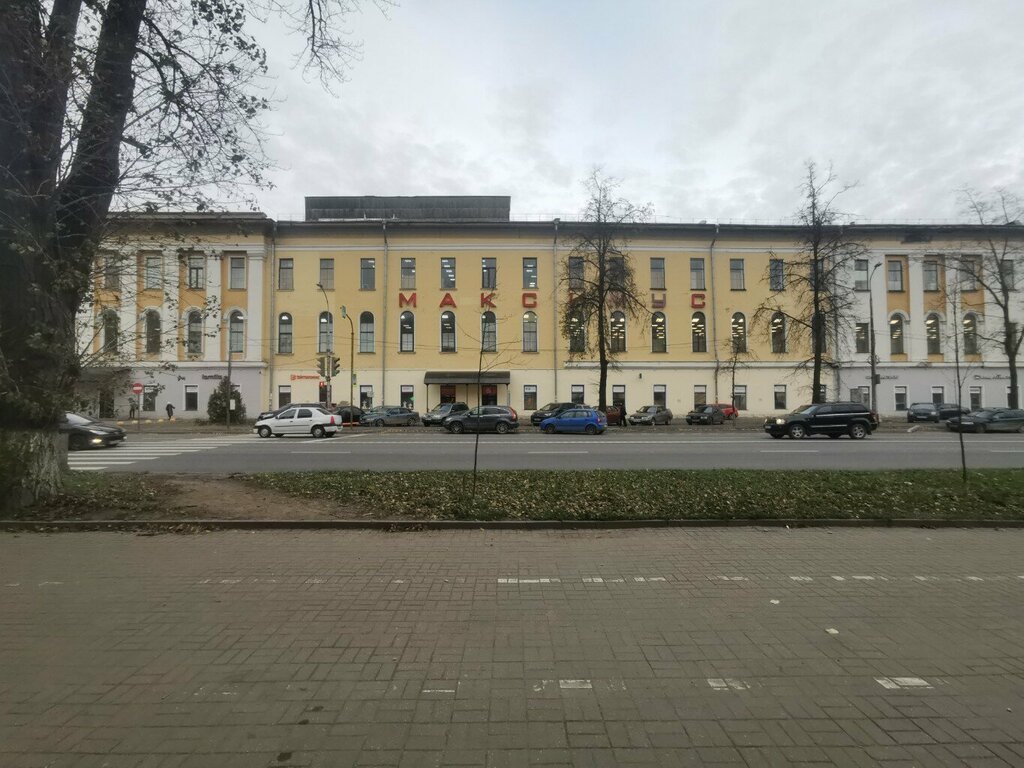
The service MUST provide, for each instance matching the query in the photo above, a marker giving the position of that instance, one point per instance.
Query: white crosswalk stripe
(130, 453)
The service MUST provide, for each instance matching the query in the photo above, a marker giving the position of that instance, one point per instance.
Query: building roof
(415, 208)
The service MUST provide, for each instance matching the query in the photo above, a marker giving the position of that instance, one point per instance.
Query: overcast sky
(706, 110)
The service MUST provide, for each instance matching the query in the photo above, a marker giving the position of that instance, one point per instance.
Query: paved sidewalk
(503, 648)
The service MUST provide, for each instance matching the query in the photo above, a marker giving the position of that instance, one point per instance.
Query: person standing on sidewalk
(170, 411)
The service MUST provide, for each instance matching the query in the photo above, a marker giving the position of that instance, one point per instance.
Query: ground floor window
(975, 393)
(489, 394)
(900, 397)
(739, 397)
(284, 395)
(149, 398)
(660, 394)
(619, 395)
(700, 395)
(938, 395)
(447, 393)
(823, 393)
(859, 395)
(529, 397)
(191, 397)
(408, 396)
(366, 396)
(577, 394)
(780, 397)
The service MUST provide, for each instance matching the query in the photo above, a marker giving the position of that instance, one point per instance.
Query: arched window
(489, 332)
(617, 332)
(236, 335)
(152, 332)
(284, 333)
(194, 333)
(699, 332)
(529, 332)
(896, 329)
(659, 335)
(366, 340)
(447, 331)
(933, 334)
(970, 334)
(111, 330)
(577, 333)
(778, 332)
(739, 333)
(325, 333)
(406, 332)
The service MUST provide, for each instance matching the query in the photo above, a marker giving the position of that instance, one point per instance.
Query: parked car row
(988, 420)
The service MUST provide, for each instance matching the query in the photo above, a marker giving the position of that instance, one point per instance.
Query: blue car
(587, 420)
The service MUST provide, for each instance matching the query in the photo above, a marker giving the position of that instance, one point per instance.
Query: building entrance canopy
(467, 377)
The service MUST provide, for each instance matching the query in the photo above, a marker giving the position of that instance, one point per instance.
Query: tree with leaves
(108, 105)
(812, 288)
(598, 279)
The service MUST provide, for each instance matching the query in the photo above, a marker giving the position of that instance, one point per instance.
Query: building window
(325, 333)
(860, 275)
(406, 332)
(576, 395)
(236, 332)
(938, 395)
(970, 334)
(191, 397)
(617, 339)
(780, 397)
(407, 396)
(194, 333)
(933, 334)
(284, 395)
(447, 331)
(975, 395)
(576, 274)
(366, 396)
(447, 273)
(930, 274)
(696, 274)
(698, 332)
(616, 273)
(488, 273)
(895, 275)
(327, 274)
(737, 281)
(408, 274)
(1006, 276)
(619, 396)
(149, 397)
(739, 397)
(448, 394)
(367, 274)
(896, 328)
(286, 275)
(237, 273)
(968, 269)
(284, 334)
(861, 334)
(860, 395)
(529, 273)
(111, 330)
(152, 333)
(660, 395)
(823, 393)
(659, 333)
(488, 332)
(700, 395)
(778, 332)
(657, 274)
(900, 398)
(529, 332)
(529, 397)
(577, 334)
(111, 273)
(739, 333)
(196, 268)
(777, 274)
(366, 340)
(151, 276)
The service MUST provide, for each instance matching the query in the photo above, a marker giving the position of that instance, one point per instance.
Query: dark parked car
(276, 411)
(391, 416)
(587, 420)
(84, 432)
(726, 408)
(436, 416)
(483, 418)
(989, 420)
(349, 414)
(551, 409)
(652, 415)
(934, 411)
(706, 414)
(832, 419)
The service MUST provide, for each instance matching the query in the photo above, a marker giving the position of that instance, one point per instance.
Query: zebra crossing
(129, 452)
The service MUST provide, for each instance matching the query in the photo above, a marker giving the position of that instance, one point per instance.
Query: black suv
(435, 416)
(832, 419)
(934, 411)
(483, 418)
(551, 409)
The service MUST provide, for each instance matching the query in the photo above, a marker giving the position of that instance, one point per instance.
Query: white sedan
(298, 421)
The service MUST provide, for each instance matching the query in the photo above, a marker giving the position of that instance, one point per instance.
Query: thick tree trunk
(32, 465)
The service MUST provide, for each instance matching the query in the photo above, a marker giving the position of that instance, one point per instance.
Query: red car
(726, 408)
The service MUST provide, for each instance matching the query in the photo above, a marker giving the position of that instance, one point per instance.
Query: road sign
(137, 387)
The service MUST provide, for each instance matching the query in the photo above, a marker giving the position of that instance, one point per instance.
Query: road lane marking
(897, 683)
(725, 684)
(786, 450)
(557, 453)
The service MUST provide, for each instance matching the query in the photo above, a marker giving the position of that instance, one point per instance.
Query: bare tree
(811, 289)
(598, 278)
(134, 104)
(989, 263)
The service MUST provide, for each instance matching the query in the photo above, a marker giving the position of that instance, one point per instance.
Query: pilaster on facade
(170, 311)
(128, 301)
(213, 321)
(254, 326)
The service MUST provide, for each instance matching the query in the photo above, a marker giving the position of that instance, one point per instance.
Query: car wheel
(76, 443)
(378, 423)
(590, 429)
(980, 429)
(549, 429)
(264, 432)
(411, 423)
(318, 431)
(797, 431)
(456, 428)
(858, 431)
(501, 428)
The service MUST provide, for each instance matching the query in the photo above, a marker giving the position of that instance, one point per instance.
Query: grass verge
(120, 497)
(667, 494)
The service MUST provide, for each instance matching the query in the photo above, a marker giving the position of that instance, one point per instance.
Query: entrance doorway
(489, 394)
(448, 393)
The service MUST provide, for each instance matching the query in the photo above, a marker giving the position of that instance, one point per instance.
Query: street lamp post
(227, 417)
(871, 330)
(351, 358)
(329, 362)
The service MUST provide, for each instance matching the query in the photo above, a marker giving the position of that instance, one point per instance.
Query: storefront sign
(304, 376)
(697, 301)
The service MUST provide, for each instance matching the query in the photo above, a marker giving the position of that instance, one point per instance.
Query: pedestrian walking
(170, 411)
(623, 421)
(131, 410)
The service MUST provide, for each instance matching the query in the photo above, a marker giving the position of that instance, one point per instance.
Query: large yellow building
(425, 300)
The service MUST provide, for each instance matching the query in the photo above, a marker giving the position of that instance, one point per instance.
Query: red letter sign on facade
(403, 301)
(697, 300)
(529, 300)
(447, 301)
(485, 300)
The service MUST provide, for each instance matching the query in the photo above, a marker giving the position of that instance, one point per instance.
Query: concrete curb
(188, 526)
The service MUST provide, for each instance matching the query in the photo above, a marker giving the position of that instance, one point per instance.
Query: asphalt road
(635, 448)
(666, 647)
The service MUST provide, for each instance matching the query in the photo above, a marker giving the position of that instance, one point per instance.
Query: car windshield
(709, 409)
(805, 409)
(550, 407)
(983, 413)
(74, 418)
(922, 407)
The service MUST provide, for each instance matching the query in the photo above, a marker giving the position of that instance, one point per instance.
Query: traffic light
(335, 366)
(321, 366)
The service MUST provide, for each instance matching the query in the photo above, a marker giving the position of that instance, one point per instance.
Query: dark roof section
(467, 377)
(417, 208)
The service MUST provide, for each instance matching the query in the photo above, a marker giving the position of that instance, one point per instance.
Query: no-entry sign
(137, 387)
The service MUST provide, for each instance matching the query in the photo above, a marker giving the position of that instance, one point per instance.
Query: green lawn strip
(669, 494)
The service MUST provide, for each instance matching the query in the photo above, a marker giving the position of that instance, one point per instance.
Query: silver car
(298, 421)
(651, 415)
(390, 416)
